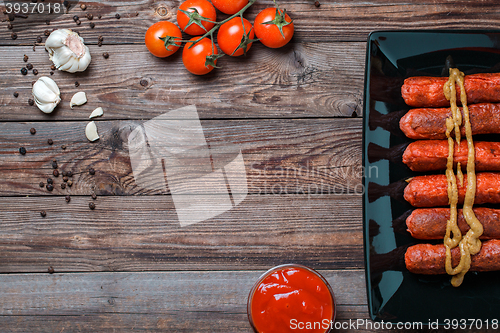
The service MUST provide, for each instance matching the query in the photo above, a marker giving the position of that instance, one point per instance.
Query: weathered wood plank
(280, 156)
(333, 21)
(328, 77)
(153, 302)
(143, 233)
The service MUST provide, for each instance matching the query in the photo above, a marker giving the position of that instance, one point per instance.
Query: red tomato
(195, 58)
(167, 46)
(204, 9)
(229, 6)
(230, 36)
(269, 34)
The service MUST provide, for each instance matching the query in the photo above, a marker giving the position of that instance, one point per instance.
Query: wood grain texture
(328, 77)
(344, 20)
(143, 234)
(148, 302)
(280, 156)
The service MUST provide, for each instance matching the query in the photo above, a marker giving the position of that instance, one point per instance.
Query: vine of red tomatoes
(273, 27)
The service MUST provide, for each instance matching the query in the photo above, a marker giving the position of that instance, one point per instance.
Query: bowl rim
(285, 266)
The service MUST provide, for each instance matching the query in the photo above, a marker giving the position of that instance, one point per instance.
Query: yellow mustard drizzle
(470, 243)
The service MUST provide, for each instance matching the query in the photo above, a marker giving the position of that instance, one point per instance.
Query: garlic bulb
(67, 51)
(46, 94)
(79, 98)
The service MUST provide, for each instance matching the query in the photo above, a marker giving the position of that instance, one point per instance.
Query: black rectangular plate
(394, 294)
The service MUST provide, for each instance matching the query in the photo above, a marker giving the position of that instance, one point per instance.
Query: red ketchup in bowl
(291, 298)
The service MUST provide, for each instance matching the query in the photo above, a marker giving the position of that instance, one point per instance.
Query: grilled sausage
(431, 155)
(429, 123)
(426, 91)
(432, 190)
(429, 259)
(430, 223)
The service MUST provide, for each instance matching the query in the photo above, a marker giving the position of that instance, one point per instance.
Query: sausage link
(429, 123)
(432, 155)
(426, 91)
(430, 223)
(429, 259)
(432, 190)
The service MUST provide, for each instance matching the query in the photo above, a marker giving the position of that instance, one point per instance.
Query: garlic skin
(91, 132)
(46, 94)
(78, 99)
(67, 51)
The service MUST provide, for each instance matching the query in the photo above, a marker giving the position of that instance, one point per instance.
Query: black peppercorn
(105, 55)
(50, 187)
(22, 151)
(39, 39)
(13, 36)
(117, 16)
(50, 270)
(99, 16)
(35, 71)
(31, 102)
(29, 66)
(77, 84)
(50, 142)
(317, 4)
(75, 18)
(100, 38)
(24, 71)
(70, 183)
(90, 16)
(46, 33)
(54, 164)
(16, 94)
(78, 22)
(32, 131)
(67, 198)
(53, 67)
(94, 196)
(42, 184)
(51, 73)
(65, 178)
(10, 26)
(92, 25)
(83, 6)
(69, 174)
(92, 205)
(50, 181)
(43, 213)
(63, 186)
(63, 147)
(25, 58)
(92, 171)
(55, 173)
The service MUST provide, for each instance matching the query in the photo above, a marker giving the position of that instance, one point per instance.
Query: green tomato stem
(218, 24)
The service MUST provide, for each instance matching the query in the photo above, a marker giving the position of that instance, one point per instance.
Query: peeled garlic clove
(46, 94)
(91, 131)
(78, 99)
(97, 113)
(68, 51)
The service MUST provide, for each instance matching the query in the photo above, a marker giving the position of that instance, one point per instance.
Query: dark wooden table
(296, 115)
